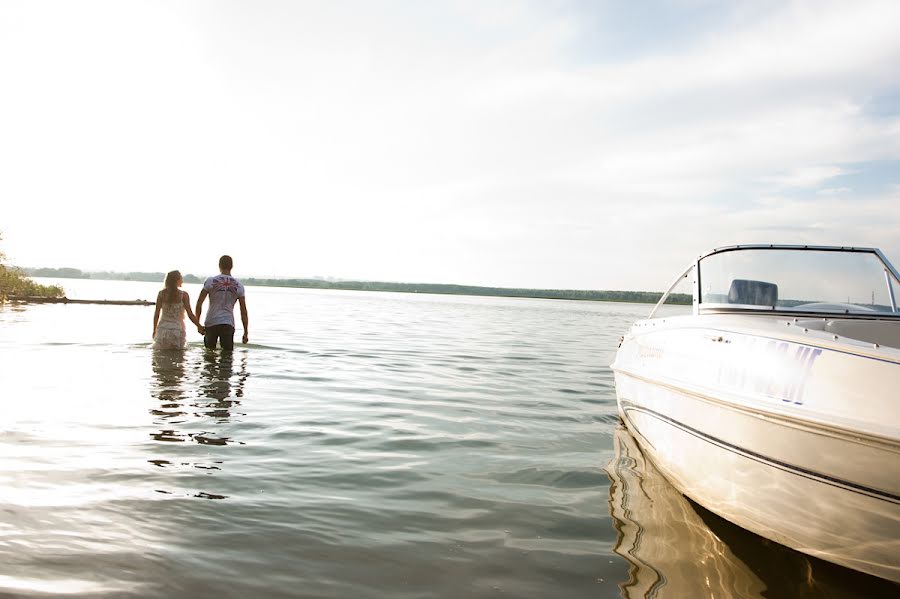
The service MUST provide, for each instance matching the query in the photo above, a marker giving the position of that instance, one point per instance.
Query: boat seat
(752, 293)
(882, 332)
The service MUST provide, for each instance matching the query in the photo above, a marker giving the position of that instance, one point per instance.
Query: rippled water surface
(362, 445)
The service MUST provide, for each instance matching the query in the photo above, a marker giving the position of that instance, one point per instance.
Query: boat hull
(823, 488)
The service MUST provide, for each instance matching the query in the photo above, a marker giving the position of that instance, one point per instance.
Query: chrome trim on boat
(887, 279)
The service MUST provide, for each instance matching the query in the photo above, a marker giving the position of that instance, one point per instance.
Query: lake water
(362, 445)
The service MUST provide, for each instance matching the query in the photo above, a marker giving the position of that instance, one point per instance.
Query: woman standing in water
(172, 303)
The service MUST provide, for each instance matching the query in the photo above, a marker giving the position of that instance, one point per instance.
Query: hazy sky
(554, 143)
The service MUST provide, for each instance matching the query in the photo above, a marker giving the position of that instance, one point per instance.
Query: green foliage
(14, 283)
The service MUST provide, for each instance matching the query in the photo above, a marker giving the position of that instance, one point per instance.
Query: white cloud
(834, 191)
(445, 142)
(807, 176)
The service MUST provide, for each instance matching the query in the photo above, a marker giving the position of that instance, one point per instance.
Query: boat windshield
(835, 280)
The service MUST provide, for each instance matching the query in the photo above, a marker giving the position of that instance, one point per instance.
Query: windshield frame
(698, 308)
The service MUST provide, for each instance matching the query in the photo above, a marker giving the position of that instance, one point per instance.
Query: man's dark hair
(225, 263)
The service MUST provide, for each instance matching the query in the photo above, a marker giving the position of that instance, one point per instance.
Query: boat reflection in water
(678, 549)
(672, 552)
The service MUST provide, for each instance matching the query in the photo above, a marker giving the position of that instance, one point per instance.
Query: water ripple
(365, 445)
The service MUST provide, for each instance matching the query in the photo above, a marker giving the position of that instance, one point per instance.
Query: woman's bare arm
(202, 296)
(156, 313)
(186, 300)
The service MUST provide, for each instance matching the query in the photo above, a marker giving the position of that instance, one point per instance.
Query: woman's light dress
(170, 332)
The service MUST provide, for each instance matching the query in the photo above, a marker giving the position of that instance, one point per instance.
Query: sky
(583, 144)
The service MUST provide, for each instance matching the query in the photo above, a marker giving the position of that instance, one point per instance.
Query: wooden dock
(65, 300)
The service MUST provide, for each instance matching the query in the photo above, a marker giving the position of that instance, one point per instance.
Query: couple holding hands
(172, 304)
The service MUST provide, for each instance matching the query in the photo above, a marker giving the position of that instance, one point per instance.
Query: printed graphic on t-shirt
(226, 284)
(223, 291)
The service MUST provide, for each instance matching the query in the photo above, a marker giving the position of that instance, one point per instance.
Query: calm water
(362, 445)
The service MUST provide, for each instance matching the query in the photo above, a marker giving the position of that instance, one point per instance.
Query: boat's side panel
(813, 387)
(811, 511)
(869, 465)
(797, 442)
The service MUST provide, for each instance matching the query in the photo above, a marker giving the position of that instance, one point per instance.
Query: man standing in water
(223, 291)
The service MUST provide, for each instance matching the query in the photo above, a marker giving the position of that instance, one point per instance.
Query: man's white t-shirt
(224, 291)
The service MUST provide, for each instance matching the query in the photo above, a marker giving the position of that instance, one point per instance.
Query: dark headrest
(752, 293)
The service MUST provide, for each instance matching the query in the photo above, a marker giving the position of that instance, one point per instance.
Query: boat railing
(672, 287)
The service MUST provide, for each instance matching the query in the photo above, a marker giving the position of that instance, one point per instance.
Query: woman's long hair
(171, 293)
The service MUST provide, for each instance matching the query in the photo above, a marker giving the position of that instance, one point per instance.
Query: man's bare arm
(245, 320)
(200, 298)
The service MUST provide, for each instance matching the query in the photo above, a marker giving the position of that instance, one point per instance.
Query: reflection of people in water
(216, 383)
(215, 393)
(169, 388)
(195, 391)
(172, 304)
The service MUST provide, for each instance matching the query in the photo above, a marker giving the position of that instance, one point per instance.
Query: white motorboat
(775, 402)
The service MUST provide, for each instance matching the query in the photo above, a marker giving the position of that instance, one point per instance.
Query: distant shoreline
(640, 297)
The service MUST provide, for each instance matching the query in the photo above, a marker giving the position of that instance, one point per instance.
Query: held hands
(201, 329)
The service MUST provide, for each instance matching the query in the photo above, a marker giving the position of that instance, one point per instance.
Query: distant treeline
(74, 273)
(649, 297)
(571, 294)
